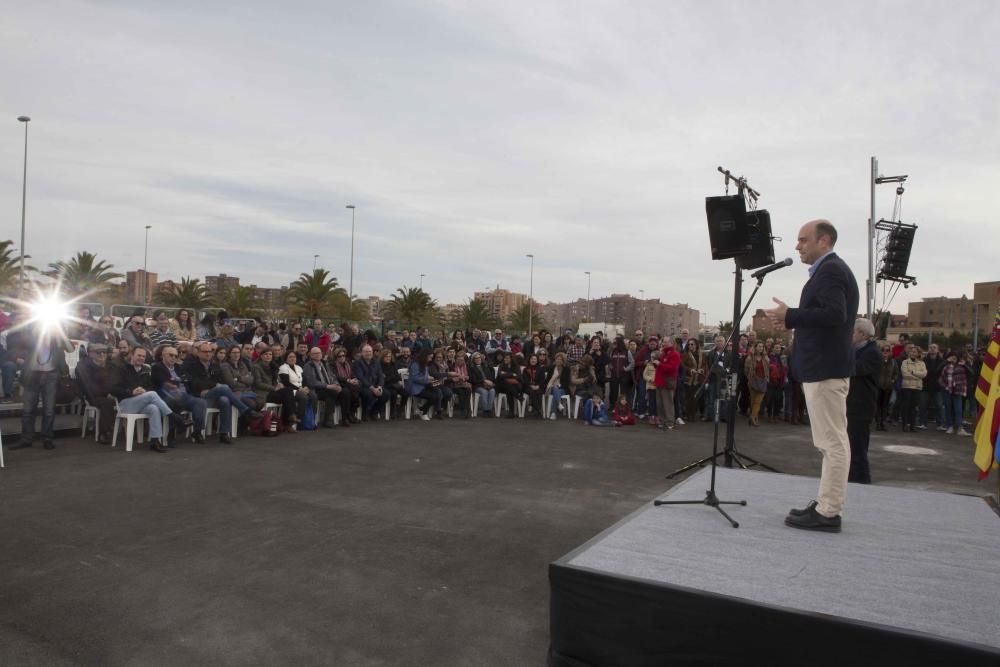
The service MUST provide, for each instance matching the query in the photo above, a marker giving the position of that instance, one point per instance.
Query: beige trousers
(826, 401)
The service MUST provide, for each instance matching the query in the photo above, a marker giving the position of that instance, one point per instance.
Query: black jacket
(125, 378)
(199, 378)
(479, 374)
(863, 395)
(934, 366)
(369, 373)
(95, 379)
(824, 323)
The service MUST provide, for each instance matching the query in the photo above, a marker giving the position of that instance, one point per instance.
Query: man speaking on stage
(823, 361)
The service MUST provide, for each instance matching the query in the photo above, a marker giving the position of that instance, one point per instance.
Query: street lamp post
(422, 280)
(145, 270)
(24, 201)
(588, 295)
(531, 291)
(350, 283)
(315, 257)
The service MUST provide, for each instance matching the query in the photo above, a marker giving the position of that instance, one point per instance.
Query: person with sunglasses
(135, 334)
(172, 388)
(95, 380)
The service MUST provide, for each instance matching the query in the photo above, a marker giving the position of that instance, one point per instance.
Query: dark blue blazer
(824, 323)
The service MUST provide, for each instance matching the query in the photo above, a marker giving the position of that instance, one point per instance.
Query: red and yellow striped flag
(987, 395)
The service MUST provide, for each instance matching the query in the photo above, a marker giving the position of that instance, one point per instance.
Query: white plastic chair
(132, 421)
(499, 403)
(474, 403)
(1, 449)
(522, 406)
(89, 410)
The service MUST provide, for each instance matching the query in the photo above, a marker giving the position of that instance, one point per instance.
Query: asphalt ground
(400, 543)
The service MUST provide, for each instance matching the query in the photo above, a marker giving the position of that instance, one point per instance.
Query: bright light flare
(50, 311)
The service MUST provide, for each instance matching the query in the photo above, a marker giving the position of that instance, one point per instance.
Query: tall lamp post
(350, 283)
(145, 270)
(315, 257)
(588, 295)
(422, 280)
(531, 292)
(24, 201)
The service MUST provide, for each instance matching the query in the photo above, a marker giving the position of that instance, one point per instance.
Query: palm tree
(83, 274)
(315, 294)
(475, 315)
(190, 293)
(518, 320)
(10, 267)
(412, 306)
(241, 301)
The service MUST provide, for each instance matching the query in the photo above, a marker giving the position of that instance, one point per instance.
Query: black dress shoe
(814, 521)
(805, 510)
(225, 439)
(20, 444)
(48, 444)
(199, 438)
(157, 446)
(104, 439)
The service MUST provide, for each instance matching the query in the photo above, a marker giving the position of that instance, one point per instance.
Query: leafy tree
(475, 315)
(518, 320)
(241, 301)
(316, 294)
(190, 293)
(83, 274)
(412, 306)
(880, 319)
(10, 266)
(357, 311)
(726, 328)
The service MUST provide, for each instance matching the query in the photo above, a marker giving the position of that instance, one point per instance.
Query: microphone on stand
(757, 275)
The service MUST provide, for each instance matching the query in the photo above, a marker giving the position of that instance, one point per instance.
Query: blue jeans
(39, 383)
(9, 371)
(954, 415)
(222, 397)
(184, 401)
(556, 396)
(486, 398)
(151, 405)
(640, 397)
(932, 400)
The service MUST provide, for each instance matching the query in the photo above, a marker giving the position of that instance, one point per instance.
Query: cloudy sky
(470, 134)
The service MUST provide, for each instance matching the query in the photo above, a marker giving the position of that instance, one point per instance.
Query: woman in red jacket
(667, 367)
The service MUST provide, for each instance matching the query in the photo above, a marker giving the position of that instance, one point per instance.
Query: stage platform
(913, 579)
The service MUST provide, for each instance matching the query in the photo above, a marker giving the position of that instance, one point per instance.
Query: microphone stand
(725, 388)
(729, 452)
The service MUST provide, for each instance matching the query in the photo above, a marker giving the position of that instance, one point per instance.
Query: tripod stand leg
(697, 464)
(734, 524)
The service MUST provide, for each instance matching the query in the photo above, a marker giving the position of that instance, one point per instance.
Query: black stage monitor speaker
(727, 226)
(761, 242)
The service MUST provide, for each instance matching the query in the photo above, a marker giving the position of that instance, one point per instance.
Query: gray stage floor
(918, 560)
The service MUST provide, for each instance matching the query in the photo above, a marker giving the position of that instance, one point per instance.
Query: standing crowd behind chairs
(177, 370)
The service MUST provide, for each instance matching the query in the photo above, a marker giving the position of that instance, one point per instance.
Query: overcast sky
(470, 134)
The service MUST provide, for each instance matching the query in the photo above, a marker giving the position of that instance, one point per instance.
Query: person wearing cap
(95, 379)
(496, 344)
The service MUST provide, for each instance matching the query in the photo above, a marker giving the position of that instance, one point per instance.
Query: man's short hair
(825, 228)
(864, 325)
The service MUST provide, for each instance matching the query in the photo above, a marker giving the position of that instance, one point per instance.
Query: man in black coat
(862, 398)
(95, 378)
(823, 357)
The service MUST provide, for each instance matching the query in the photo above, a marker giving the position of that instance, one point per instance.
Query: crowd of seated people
(177, 369)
